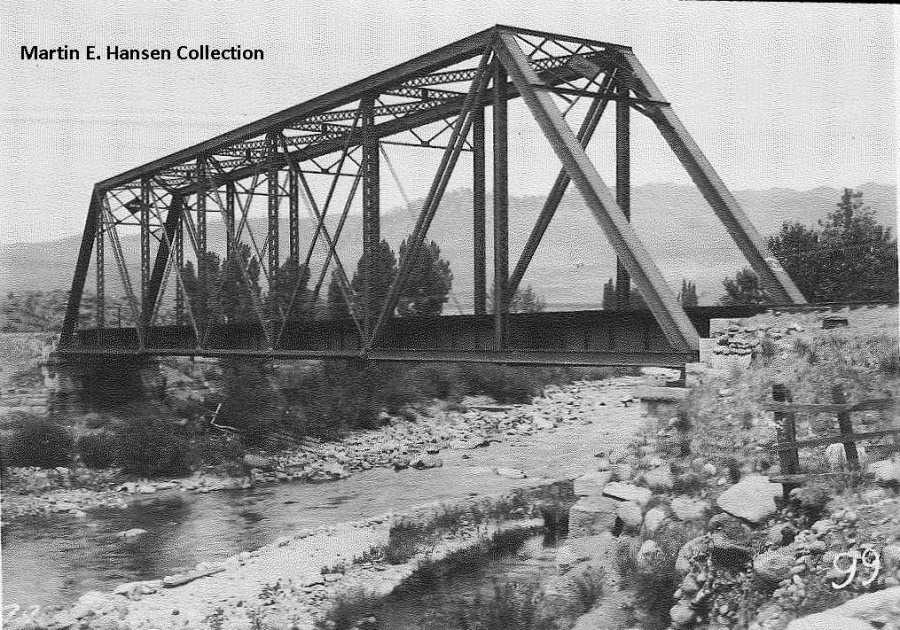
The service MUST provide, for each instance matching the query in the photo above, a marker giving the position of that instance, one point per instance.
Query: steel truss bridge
(436, 101)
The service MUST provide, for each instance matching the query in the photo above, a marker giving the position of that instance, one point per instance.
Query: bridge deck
(561, 338)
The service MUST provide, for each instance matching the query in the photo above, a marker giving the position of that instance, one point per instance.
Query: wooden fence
(787, 446)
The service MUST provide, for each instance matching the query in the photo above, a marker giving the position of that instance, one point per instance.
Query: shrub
(37, 441)
(223, 451)
(503, 384)
(97, 450)
(250, 403)
(150, 448)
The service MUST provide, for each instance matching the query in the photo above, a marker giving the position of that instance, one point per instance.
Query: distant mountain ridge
(673, 221)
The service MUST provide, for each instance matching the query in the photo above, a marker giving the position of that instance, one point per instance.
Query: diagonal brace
(671, 317)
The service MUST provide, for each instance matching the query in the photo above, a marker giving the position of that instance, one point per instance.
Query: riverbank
(422, 443)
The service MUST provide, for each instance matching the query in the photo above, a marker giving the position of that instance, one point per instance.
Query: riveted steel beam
(774, 278)
(659, 297)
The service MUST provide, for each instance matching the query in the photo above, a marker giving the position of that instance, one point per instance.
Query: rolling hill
(569, 269)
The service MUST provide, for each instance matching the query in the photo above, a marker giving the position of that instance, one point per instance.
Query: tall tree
(335, 304)
(688, 294)
(384, 270)
(525, 300)
(428, 284)
(849, 256)
(289, 297)
(236, 297)
(744, 288)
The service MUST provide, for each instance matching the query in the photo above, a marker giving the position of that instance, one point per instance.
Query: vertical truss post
(371, 192)
(230, 195)
(623, 184)
(672, 319)
(273, 199)
(479, 263)
(774, 278)
(501, 207)
(202, 267)
(585, 132)
(293, 216)
(179, 265)
(100, 271)
(170, 226)
(146, 307)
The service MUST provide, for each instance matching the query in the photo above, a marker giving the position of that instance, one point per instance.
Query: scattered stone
(773, 566)
(510, 473)
(630, 513)
(131, 534)
(592, 483)
(628, 492)
(687, 510)
(647, 554)
(687, 552)
(682, 615)
(592, 515)
(653, 520)
(258, 461)
(659, 479)
(752, 498)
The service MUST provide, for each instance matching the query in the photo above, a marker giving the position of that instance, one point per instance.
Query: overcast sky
(796, 95)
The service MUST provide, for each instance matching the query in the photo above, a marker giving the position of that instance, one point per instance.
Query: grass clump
(37, 441)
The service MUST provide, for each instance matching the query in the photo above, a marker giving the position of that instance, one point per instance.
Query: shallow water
(52, 560)
(496, 592)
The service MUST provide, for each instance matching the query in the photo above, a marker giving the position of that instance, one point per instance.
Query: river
(52, 560)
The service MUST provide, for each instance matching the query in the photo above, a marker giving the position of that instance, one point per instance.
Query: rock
(421, 463)
(135, 590)
(131, 534)
(628, 492)
(630, 513)
(886, 471)
(647, 554)
(592, 483)
(258, 461)
(90, 604)
(731, 528)
(399, 463)
(592, 515)
(567, 557)
(836, 456)
(659, 478)
(688, 510)
(752, 498)
(828, 621)
(653, 520)
(708, 469)
(682, 615)
(688, 550)
(774, 566)
(510, 473)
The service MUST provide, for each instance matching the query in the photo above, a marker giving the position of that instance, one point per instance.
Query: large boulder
(752, 498)
(592, 515)
(872, 610)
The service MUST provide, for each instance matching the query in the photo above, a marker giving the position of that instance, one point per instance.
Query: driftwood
(171, 581)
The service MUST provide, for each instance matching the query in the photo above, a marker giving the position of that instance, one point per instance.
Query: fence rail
(788, 446)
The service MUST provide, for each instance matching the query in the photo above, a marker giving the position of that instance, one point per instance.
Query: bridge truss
(437, 101)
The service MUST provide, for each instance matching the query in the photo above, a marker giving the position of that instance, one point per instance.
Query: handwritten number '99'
(870, 558)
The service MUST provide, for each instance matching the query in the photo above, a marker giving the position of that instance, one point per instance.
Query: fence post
(785, 431)
(846, 427)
